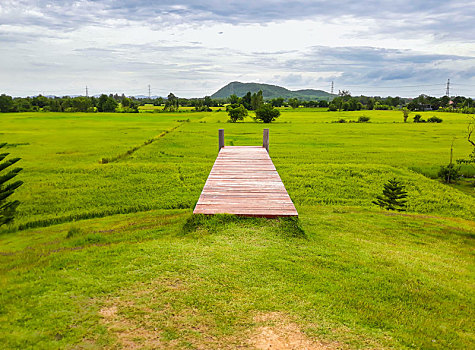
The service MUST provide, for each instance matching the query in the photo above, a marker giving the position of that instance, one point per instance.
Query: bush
(363, 119)
(418, 119)
(434, 119)
(449, 173)
(339, 121)
(73, 231)
(267, 113)
(332, 108)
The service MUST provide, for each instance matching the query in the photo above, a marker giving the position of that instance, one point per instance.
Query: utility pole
(87, 92)
(332, 88)
(149, 91)
(447, 92)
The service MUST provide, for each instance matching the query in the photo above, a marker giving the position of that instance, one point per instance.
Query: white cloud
(194, 47)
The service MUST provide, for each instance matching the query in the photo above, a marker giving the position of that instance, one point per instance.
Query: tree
(267, 113)
(257, 100)
(353, 105)
(294, 102)
(246, 100)
(405, 113)
(40, 101)
(392, 197)
(370, 104)
(84, 104)
(236, 113)
(470, 132)
(126, 102)
(7, 209)
(172, 104)
(109, 105)
(233, 99)
(6, 103)
(449, 173)
(208, 101)
(55, 106)
(158, 101)
(277, 102)
(322, 103)
(100, 103)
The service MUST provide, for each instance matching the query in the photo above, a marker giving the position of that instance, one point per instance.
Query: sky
(193, 48)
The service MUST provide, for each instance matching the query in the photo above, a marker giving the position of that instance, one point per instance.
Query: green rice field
(105, 253)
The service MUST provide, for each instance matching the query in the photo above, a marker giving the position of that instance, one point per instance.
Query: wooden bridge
(244, 181)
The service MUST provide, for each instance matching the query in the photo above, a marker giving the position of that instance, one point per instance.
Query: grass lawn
(107, 254)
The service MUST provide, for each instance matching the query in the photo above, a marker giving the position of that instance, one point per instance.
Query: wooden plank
(244, 181)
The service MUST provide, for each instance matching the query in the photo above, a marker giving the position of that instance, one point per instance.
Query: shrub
(363, 119)
(449, 173)
(418, 119)
(267, 113)
(73, 231)
(434, 119)
(340, 121)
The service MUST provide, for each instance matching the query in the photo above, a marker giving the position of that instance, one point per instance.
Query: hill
(270, 91)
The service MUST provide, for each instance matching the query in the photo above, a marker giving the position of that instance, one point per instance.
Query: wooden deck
(244, 181)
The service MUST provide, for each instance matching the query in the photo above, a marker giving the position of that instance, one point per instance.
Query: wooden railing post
(265, 139)
(221, 139)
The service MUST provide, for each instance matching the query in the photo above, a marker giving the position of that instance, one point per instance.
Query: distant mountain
(270, 91)
(144, 96)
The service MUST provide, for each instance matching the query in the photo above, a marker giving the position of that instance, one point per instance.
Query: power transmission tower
(332, 87)
(447, 92)
(87, 92)
(149, 91)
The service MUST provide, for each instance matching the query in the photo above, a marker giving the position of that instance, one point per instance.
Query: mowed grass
(355, 277)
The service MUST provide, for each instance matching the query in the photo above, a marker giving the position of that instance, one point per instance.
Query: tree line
(345, 102)
(121, 103)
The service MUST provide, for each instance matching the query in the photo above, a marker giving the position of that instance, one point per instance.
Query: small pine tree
(7, 209)
(393, 196)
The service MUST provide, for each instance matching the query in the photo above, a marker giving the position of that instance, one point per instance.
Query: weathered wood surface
(244, 181)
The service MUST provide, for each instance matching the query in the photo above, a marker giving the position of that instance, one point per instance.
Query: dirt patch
(130, 335)
(148, 317)
(277, 331)
(108, 312)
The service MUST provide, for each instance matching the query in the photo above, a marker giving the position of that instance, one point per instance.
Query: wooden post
(221, 139)
(265, 139)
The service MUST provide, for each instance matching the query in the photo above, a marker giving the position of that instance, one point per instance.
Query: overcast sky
(192, 48)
